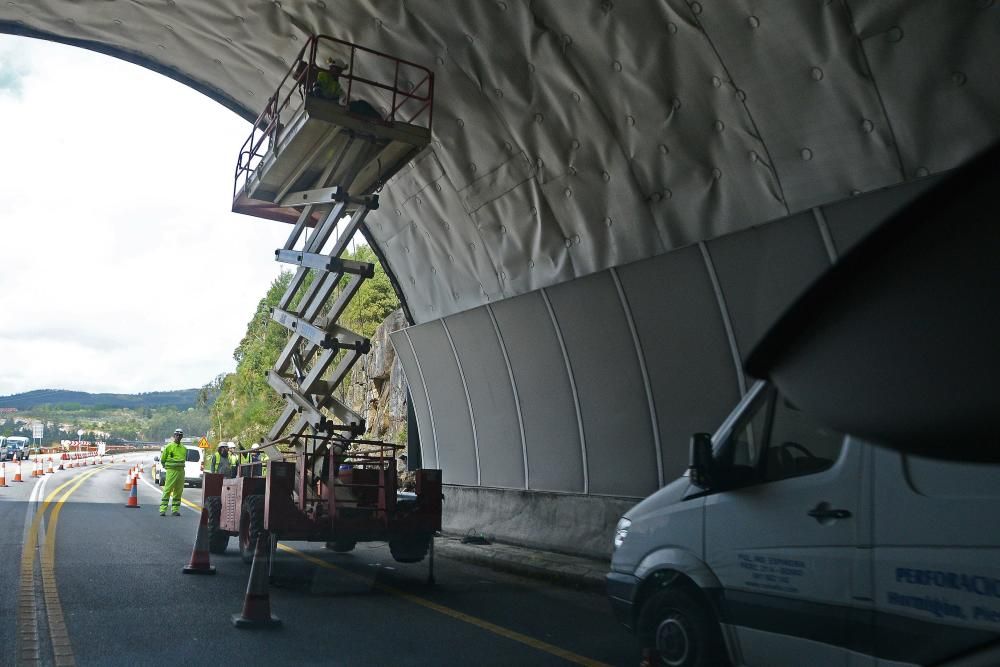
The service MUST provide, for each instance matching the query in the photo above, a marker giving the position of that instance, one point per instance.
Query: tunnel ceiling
(570, 137)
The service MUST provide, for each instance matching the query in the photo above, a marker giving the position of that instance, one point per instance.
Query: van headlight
(621, 531)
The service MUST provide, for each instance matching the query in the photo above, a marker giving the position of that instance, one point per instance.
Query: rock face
(375, 389)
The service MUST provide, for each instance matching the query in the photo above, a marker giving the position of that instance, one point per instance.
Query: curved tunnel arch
(697, 164)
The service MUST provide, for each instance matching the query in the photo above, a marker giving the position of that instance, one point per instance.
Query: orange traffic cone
(50, 470)
(34, 468)
(128, 481)
(17, 475)
(133, 496)
(257, 604)
(3, 474)
(200, 563)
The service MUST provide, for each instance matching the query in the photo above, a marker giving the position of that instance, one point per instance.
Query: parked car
(15, 445)
(788, 543)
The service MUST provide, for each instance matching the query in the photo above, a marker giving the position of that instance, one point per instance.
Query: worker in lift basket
(222, 461)
(257, 458)
(327, 83)
(172, 459)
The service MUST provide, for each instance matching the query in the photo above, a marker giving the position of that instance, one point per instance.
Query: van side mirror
(701, 461)
(156, 458)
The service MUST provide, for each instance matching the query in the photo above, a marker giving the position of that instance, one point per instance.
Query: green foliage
(247, 406)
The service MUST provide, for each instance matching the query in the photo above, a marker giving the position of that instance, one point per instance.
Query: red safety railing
(364, 81)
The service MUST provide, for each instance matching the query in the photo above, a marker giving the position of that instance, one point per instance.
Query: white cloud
(121, 266)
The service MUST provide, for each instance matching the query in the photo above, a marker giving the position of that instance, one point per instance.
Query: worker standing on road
(222, 461)
(172, 459)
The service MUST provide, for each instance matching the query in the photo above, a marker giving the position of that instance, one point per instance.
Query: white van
(788, 544)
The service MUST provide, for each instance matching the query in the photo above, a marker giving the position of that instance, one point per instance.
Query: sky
(122, 268)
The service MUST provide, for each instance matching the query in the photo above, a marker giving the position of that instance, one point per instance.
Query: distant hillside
(180, 399)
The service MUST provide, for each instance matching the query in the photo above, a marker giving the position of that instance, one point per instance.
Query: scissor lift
(319, 164)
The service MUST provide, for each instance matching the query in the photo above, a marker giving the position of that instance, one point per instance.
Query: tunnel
(617, 200)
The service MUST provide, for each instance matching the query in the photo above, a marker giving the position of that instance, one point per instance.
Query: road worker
(222, 461)
(258, 458)
(327, 83)
(172, 459)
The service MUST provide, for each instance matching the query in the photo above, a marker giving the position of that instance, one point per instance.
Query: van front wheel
(682, 630)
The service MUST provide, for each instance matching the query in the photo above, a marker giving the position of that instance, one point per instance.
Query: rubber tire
(251, 526)
(410, 549)
(342, 546)
(218, 540)
(688, 614)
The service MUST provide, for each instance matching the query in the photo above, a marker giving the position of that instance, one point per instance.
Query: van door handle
(823, 512)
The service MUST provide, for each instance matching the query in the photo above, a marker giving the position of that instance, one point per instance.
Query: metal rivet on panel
(451, 258)
(168, 27)
(672, 28)
(716, 82)
(434, 270)
(260, 71)
(571, 170)
(742, 95)
(576, 97)
(606, 176)
(719, 126)
(539, 163)
(115, 21)
(576, 239)
(473, 167)
(71, 21)
(616, 66)
(754, 22)
(472, 246)
(696, 7)
(566, 40)
(574, 144)
(663, 149)
(894, 34)
(398, 212)
(241, 19)
(164, 48)
(503, 275)
(508, 147)
(806, 154)
(455, 295)
(461, 123)
(568, 241)
(229, 40)
(531, 67)
(608, 221)
(534, 210)
(754, 157)
(676, 103)
(439, 60)
(667, 194)
(867, 126)
(437, 186)
(716, 173)
(294, 37)
(502, 6)
(406, 249)
(217, 61)
(656, 196)
(469, 38)
(922, 171)
(539, 118)
(412, 280)
(568, 192)
(816, 73)
(378, 24)
(630, 120)
(503, 229)
(446, 225)
(531, 264)
(498, 92)
(958, 78)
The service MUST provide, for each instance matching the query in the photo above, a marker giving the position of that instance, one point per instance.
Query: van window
(780, 441)
(193, 455)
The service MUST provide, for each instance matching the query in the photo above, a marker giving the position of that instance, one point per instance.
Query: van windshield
(193, 455)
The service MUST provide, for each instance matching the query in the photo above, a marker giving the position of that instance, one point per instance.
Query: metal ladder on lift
(316, 339)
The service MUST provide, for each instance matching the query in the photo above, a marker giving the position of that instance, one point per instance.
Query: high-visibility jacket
(215, 461)
(328, 85)
(173, 456)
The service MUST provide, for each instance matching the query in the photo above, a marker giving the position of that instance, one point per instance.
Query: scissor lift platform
(302, 143)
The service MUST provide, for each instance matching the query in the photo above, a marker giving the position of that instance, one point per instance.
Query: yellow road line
(458, 615)
(62, 649)
(28, 649)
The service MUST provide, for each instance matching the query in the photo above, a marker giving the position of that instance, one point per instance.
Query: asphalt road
(100, 584)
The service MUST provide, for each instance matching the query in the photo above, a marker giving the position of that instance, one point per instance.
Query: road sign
(203, 443)
(37, 431)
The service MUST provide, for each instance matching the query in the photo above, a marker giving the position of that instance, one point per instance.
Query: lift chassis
(338, 491)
